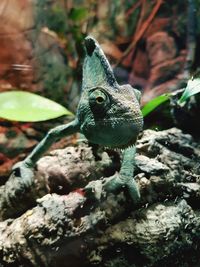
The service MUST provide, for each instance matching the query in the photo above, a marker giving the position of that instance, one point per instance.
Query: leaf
(192, 88)
(78, 14)
(29, 107)
(154, 103)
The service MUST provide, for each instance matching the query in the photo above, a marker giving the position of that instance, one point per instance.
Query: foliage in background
(28, 107)
(154, 103)
(193, 88)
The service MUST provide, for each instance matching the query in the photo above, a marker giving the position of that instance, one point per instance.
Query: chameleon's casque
(108, 114)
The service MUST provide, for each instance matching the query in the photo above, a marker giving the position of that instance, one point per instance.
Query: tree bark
(105, 229)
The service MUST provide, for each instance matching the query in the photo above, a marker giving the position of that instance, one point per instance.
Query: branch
(74, 230)
(61, 172)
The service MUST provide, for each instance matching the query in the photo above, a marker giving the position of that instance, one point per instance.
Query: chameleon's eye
(98, 96)
(99, 100)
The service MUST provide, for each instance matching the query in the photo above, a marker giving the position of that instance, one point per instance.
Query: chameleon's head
(108, 114)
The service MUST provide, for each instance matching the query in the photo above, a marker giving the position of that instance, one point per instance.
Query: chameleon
(108, 114)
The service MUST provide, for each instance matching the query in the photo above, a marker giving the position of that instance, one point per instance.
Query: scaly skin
(108, 114)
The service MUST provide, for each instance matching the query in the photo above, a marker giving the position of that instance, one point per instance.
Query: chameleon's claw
(23, 171)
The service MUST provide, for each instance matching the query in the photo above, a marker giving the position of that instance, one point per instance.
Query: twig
(133, 8)
(141, 32)
(141, 18)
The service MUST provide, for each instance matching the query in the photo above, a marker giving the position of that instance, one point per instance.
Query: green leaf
(78, 14)
(192, 88)
(154, 103)
(29, 107)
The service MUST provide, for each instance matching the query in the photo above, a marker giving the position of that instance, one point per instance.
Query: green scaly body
(108, 114)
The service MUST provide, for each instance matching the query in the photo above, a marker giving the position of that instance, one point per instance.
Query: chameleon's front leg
(124, 179)
(24, 168)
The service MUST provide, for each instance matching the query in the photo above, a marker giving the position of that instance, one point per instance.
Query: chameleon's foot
(25, 172)
(113, 184)
(119, 182)
(124, 179)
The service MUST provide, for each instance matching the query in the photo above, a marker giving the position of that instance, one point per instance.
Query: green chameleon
(108, 114)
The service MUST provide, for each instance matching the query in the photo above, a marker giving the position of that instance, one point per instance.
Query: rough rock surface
(80, 230)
